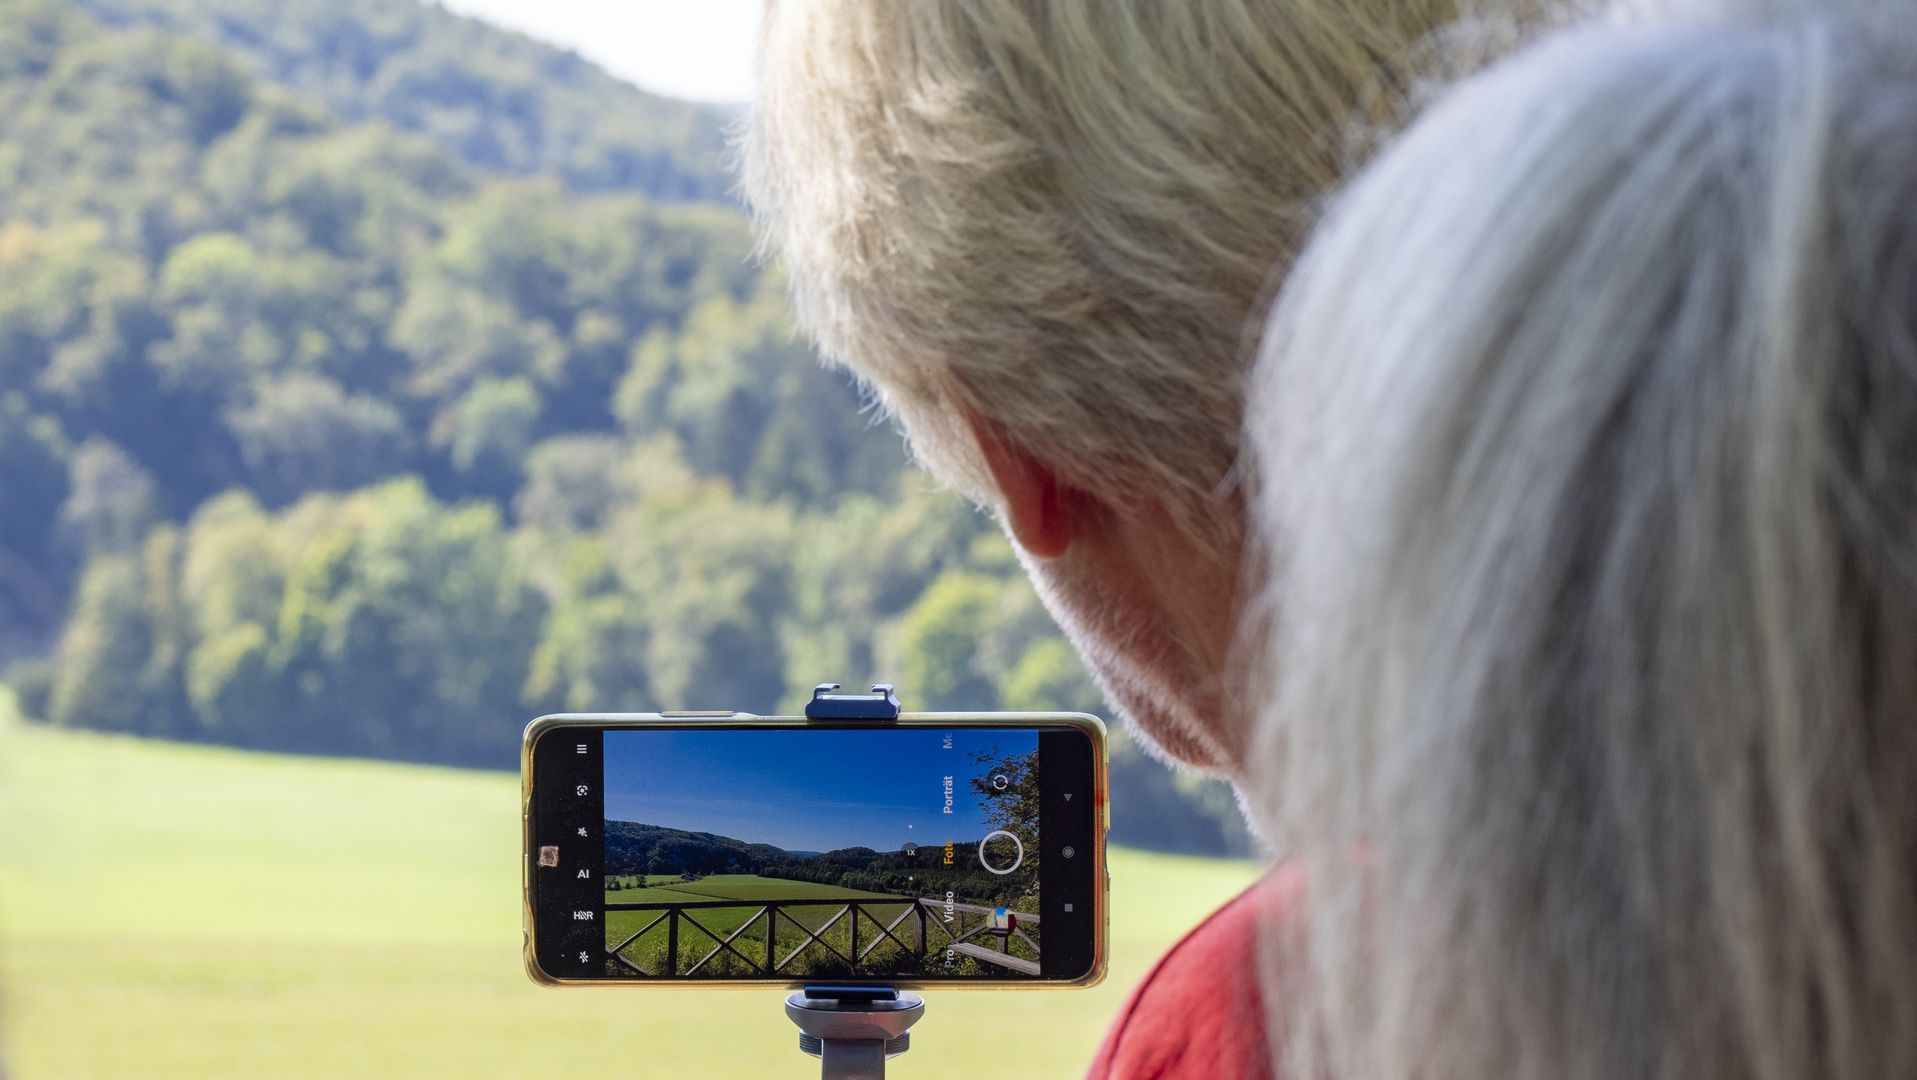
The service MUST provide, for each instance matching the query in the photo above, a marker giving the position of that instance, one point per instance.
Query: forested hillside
(315, 435)
(495, 98)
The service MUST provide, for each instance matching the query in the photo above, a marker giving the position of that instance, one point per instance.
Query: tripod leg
(852, 1059)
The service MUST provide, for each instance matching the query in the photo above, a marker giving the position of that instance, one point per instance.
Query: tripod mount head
(853, 1030)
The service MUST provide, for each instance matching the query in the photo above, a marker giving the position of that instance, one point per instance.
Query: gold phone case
(1090, 725)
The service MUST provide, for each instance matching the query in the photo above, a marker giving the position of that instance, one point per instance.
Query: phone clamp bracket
(854, 1030)
(880, 704)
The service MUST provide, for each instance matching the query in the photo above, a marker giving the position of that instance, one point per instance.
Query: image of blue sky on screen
(805, 790)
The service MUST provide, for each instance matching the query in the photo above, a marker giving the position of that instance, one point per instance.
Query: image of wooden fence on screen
(804, 937)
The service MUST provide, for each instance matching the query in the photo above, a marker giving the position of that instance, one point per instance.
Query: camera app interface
(811, 854)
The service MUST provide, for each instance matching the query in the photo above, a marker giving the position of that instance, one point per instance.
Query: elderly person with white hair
(1587, 428)
(1038, 228)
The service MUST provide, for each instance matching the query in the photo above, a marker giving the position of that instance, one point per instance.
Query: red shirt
(1199, 1013)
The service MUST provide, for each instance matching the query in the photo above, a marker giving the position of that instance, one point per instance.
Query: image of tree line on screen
(848, 911)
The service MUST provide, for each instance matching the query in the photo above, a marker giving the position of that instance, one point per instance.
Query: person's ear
(1043, 515)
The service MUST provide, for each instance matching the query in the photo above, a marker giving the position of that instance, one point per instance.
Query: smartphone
(726, 849)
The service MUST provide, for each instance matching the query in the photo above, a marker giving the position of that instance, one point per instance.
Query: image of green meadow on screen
(822, 853)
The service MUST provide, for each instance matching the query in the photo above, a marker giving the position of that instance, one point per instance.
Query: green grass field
(173, 911)
(750, 887)
(755, 888)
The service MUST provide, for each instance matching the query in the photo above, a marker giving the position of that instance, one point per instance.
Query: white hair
(1589, 428)
(1057, 214)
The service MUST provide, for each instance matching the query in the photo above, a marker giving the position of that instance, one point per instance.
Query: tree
(968, 630)
(492, 428)
(1008, 792)
(1049, 678)
(33, 485)
(302, 433)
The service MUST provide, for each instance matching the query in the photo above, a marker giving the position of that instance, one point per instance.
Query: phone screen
(756, 852)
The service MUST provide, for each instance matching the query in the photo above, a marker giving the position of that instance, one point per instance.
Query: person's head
(1589, 423)
(1038, 228)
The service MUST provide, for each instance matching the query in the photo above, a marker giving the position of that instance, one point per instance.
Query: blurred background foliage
(372, 380)
(499, 100)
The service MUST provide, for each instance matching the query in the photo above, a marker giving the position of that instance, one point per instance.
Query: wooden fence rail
(921, 916)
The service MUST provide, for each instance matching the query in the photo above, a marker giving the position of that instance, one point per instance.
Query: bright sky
(696, 49)
(805, 790)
